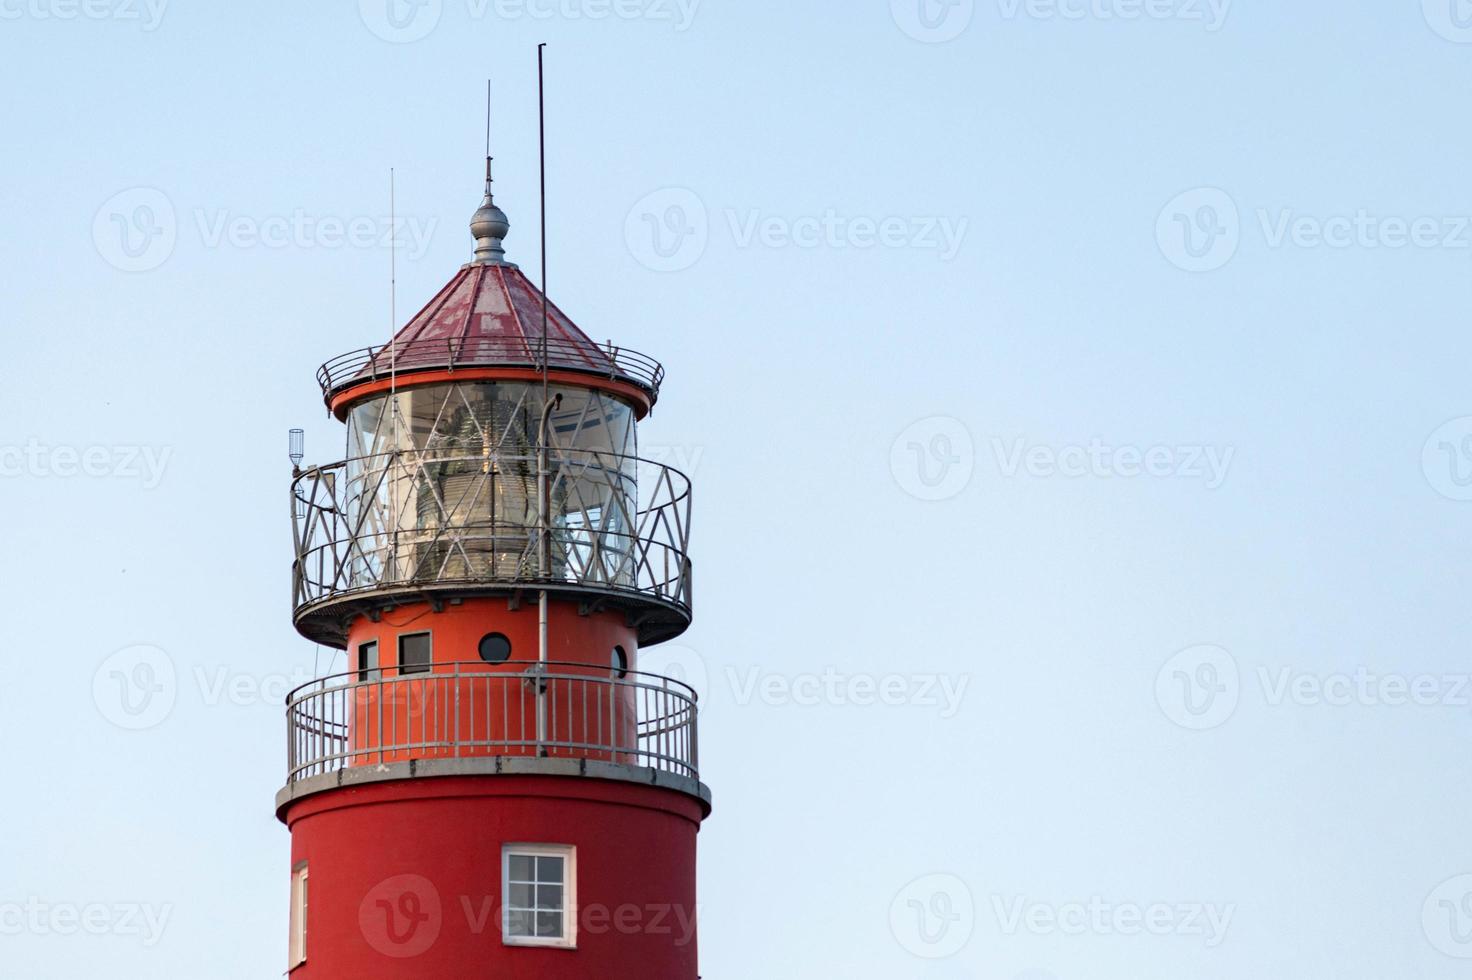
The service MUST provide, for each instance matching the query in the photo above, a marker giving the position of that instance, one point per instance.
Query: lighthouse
(493, 787)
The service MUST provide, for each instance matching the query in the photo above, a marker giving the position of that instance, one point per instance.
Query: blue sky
(1075, 394)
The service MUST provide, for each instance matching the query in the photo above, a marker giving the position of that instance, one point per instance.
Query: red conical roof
(490, 316)
(493, 313)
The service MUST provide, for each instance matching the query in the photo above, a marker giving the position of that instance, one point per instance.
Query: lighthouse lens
(495, 648)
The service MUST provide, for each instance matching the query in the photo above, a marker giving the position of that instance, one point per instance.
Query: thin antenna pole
(393, 274)
(542, 139)
(393, 364)
(544, 496)
(393, 299)
(488, 118)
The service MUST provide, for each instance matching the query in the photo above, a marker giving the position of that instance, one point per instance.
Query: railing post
(290, 745)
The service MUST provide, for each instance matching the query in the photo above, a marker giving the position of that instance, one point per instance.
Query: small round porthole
(620, 662)
(495, 648)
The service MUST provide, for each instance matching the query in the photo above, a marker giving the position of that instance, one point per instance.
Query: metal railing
(372, 363)
(387, 521)
(477, 710)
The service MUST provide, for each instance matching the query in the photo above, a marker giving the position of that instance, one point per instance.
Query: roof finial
(489, 224)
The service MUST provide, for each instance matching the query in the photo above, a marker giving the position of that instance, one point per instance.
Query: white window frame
(569, 855)
(297, 951)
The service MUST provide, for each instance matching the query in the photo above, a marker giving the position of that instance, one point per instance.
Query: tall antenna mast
(393, 347)
(393, 280)
(542, 138)
(488, 135)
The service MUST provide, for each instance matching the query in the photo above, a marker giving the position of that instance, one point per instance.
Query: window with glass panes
(538, 895)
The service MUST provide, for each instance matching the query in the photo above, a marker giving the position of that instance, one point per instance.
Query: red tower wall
(405, 878)
(482, 709)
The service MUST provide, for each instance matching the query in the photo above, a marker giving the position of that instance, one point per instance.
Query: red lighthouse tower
(493, 789)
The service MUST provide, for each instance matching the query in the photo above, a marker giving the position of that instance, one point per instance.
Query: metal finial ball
(489, 221)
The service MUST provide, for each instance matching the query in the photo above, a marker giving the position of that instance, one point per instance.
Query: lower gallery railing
(478, 710)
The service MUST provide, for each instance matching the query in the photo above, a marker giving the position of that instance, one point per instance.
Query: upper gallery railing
(416, 518)
(372, 363)
(468, 710)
